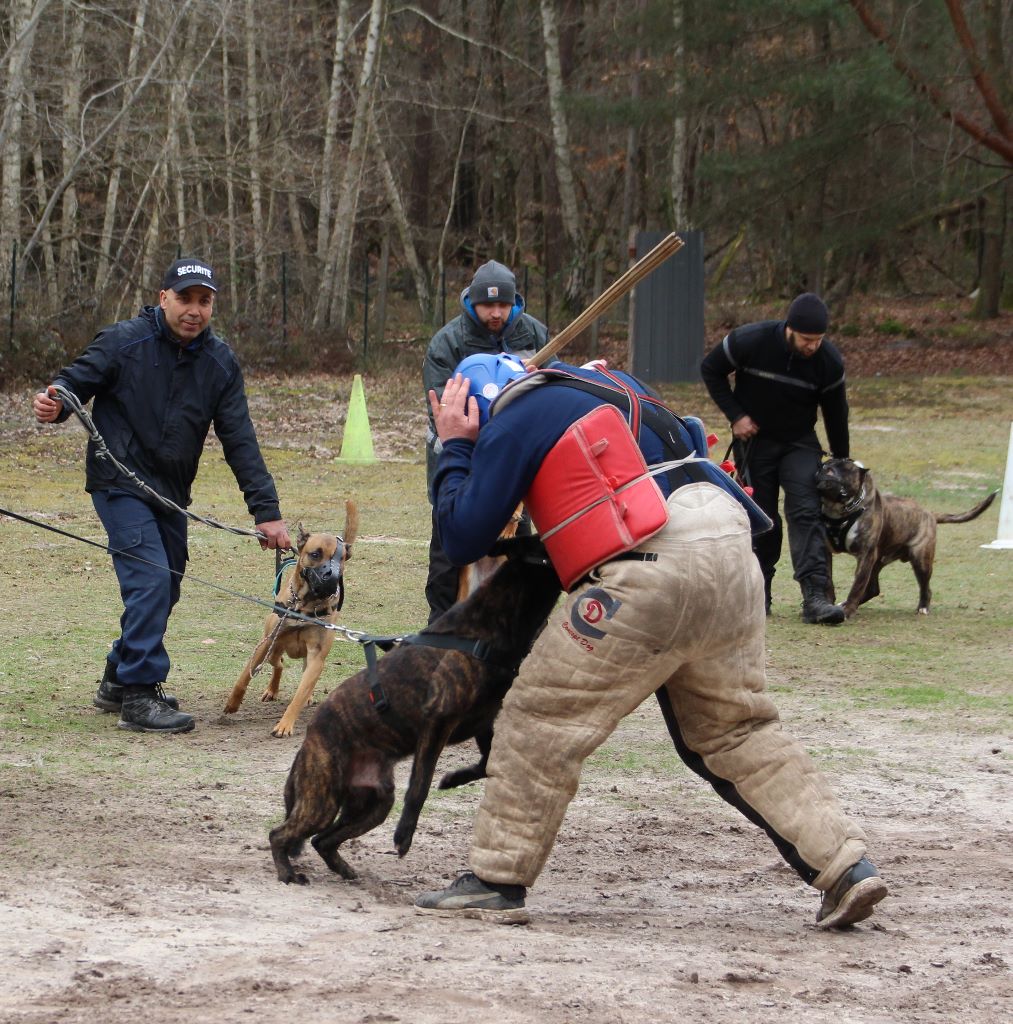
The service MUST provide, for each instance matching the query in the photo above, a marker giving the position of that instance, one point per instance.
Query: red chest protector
(591, 499)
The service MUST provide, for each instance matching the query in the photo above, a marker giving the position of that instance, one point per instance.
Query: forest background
(312, 148)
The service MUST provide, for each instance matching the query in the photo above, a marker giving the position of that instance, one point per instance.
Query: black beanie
(808, 314)
(492, 283)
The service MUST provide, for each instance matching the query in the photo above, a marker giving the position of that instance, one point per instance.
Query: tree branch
(1003, 145)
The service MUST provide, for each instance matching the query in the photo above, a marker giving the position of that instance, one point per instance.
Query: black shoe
(109, 695)
(852, 897)
(469, 896)
(144, 709)
(815, 606)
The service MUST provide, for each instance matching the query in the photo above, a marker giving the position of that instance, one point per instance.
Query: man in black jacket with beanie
(159, 382)
(785, 370)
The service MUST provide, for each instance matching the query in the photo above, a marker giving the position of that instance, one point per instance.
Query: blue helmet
(489, 375)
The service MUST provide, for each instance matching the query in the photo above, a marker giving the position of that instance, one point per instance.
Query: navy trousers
(791, 467)
(146, 542)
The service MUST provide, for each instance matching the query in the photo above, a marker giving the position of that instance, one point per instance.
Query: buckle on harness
(377, 697)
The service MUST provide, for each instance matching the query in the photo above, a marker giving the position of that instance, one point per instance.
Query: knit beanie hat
(492, 283)
(808, 314)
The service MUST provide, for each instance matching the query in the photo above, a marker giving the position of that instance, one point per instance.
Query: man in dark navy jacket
(159, 382)
(785, 371)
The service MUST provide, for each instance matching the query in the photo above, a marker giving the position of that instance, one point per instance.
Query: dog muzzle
(323, 580)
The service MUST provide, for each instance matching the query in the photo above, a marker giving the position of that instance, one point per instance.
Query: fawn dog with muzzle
(313, 587)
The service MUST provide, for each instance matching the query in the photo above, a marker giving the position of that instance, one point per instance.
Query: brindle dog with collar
(314, 587)
(879, 528)
(445, 686)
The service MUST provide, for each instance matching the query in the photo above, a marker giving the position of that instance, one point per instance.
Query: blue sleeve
(477, 487)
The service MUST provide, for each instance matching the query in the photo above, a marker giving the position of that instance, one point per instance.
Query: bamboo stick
(668, 246)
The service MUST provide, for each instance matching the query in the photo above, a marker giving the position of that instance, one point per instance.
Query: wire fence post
(14, 283)
(284, 298)
(365, 306)
(443, 296)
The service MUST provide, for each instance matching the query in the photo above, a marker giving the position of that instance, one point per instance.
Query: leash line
(102, 452)
(353, 635)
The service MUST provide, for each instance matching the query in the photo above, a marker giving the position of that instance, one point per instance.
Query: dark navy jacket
(780, 390)
(478, 485)
(155, 402)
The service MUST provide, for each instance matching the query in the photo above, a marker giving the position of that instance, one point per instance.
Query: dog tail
(966, 517)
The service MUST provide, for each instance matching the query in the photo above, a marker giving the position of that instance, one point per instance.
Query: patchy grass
(942, 441)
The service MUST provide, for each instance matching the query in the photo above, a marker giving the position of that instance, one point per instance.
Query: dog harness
(479, 649)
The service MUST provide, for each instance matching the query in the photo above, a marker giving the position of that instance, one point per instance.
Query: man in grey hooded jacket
(492, 320)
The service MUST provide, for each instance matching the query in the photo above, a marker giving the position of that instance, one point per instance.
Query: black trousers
(442, 581)
(770, 466)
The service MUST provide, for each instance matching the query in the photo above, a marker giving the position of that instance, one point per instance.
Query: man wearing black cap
(785, 370)
(492, 320)
(159, 382)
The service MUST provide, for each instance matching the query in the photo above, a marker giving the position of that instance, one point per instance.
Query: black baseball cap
(187, 272)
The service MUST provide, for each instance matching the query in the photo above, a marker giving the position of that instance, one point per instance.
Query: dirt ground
(138, 886)
(157, 900)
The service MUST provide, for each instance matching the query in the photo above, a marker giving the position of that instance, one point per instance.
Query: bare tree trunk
(680, 134)
(230, 172)
(22, 30)
(332, 295)
(990, 283)
(69, 268)
(633, 131)
(327, 166)
(48, 256)
(397, 208)
(564, 164)
(116, 164)
(253, 131)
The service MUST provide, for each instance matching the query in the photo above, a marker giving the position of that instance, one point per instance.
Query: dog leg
(364, 809)
(923, 573)
(311, 673)
(432, 739)
(239, 690)
(863, 574)
(474, 772)
(277, 666)
(313, 793)
(872, 590)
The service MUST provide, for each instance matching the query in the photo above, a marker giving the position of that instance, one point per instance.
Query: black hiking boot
(815, 606)
(852, 897)
(144, 709)
(469, 896)
(109, 695)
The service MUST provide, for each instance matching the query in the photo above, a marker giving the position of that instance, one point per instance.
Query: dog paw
(268, 695)
(923, 611)
(279, 732)
(402, 842)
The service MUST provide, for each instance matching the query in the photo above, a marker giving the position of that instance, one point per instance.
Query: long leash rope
(102, 452)
(354, 635)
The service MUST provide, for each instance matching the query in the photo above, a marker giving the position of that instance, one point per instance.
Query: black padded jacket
(155, 402)
(778, 389)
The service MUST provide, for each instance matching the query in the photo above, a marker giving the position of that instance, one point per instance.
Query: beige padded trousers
(691, 621)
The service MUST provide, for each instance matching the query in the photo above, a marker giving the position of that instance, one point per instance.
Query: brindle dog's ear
(301, 538)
